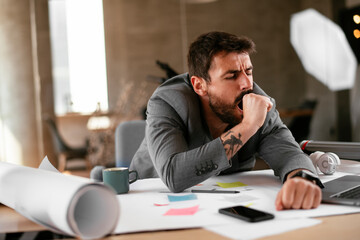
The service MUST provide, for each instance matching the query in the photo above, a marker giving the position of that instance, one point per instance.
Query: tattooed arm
(255, 108)
(232, 144)
(235, 138)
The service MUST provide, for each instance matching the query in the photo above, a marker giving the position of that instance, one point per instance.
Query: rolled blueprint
(345, 150)
(65, 204)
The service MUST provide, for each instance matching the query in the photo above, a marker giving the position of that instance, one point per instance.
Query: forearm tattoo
(232, 143)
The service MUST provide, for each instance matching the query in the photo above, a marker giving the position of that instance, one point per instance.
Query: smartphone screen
(247, 214)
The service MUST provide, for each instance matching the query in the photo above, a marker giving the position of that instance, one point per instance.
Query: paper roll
(69, 205)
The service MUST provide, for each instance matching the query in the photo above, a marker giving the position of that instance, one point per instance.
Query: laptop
(344, 190)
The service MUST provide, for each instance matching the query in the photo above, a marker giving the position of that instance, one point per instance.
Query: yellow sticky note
(231, 185)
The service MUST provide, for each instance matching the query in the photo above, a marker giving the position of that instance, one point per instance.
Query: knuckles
(300, 193)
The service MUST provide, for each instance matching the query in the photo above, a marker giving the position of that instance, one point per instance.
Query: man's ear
(199, 85)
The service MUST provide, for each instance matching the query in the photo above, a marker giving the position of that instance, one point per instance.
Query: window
(78, 55)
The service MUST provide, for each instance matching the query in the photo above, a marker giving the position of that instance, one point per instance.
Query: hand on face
(298, 193)
(255, 108)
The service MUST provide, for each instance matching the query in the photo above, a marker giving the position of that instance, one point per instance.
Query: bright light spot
(356, 19)
(357, 33)
(86, 42)
(10, 149)
(323, 49)
(78, 55)
(98, 123)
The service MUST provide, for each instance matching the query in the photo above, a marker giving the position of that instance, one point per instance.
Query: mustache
(242, 94)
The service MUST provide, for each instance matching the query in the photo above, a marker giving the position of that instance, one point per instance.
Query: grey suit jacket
(179, 148)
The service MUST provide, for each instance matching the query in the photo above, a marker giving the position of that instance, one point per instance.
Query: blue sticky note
(177, 198)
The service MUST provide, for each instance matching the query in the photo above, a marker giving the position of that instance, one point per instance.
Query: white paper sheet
(143, 209)
(77, 206)
(65, 204)
(244, 230)
(265, 186)
(139, 212)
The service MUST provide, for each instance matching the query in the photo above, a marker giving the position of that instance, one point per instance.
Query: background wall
(139, 32)
(25, 82)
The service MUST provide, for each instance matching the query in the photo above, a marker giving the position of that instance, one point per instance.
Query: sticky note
(248, 205)
(231, 185)
(160, 204)
(177, 198)
(182, 211)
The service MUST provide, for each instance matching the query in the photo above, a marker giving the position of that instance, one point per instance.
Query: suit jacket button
(215, 166)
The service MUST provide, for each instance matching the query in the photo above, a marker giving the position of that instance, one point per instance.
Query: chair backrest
(128, 137)
(58, 142)
(300, 126)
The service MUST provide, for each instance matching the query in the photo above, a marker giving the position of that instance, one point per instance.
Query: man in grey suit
(214, 119)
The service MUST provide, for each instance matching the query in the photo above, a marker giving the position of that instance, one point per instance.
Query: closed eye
(231, 76)
(249, 71)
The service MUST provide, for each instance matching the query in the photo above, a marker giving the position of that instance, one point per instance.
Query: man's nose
(245, 82)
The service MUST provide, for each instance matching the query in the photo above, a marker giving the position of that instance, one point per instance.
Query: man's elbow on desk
(177, 186)
(173, 185)
(174, 189)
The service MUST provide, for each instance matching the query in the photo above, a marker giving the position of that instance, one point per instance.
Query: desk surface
(332, 227)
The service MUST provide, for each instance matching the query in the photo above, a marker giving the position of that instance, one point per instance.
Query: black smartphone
(247, 214)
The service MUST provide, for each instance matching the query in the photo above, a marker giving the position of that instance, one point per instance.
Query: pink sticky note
(182, 211)
(160, 204)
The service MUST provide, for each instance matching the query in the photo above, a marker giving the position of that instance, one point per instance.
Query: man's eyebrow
(250, 68)
(230, 71)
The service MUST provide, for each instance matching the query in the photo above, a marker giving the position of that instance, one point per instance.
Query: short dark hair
(206, 46)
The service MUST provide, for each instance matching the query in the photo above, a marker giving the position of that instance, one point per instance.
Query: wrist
(247, 129)
(308, 175)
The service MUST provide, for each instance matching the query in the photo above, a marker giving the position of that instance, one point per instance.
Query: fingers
(298, 193)
(318, 196)
(263, 101)
(269, 105)
(255, 108)
(288, 196)
(301, 195)
(278, 201)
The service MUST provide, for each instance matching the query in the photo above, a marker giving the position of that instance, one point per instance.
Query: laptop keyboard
(353, 193)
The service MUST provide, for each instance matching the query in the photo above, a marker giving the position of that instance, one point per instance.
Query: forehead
(231, 60)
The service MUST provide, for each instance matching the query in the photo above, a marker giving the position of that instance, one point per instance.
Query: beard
(226, 112)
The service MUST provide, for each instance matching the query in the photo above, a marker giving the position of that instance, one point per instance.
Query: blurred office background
(90, 65)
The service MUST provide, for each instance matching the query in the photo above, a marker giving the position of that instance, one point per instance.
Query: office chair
(63, 150)
(300, 125)
(128, 137)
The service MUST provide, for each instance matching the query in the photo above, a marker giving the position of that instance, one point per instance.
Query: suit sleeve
(178, 166)
(279, 149)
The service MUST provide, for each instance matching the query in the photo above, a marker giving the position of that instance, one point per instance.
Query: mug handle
(136, 176)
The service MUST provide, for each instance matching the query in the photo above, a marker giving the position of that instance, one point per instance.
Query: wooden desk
(333, 227)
